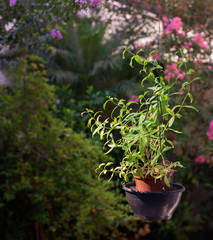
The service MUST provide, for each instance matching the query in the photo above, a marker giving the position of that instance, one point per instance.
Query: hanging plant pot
(153, 206)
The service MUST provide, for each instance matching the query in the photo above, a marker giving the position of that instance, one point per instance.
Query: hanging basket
(153, 206)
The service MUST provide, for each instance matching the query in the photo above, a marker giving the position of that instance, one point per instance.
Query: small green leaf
(191, 97)
(166, 181)
(109, 163)
(138, 60)
(186, 106)
(190, 71)
(171, 121)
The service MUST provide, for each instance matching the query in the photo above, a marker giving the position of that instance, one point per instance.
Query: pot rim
(179, 188)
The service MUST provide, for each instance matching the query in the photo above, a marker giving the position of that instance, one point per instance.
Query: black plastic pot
(153, 206)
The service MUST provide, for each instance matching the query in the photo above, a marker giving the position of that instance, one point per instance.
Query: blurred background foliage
(48, 185)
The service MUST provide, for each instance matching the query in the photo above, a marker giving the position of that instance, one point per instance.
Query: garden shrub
(48, 186)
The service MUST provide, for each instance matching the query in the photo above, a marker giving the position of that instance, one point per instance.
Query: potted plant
(140, 129)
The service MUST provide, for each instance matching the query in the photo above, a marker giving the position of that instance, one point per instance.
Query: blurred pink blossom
(56, 34)
(204, 45)
(134, 98)
(148, 7)
(209, 133)
(12, 3)
(200, 159)
(172, 72)
(199, 60)
(159, 7)
(165, 20)
(183, 33)
(95, 3)
(199, 40)
(155, 56)
(138, 46)
(187, 44)
(176, 24)
(209, 67)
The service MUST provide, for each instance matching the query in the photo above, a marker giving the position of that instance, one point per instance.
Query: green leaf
(131, 62)
(176, 131)
(138, 60)
(109, 163)
(191, 97)
(186, 106)
(151, 53)
(190, 71)
(171, 121)
(139, 171)
(170, 111)
(141, 147)
(166, 149)
(166, 181)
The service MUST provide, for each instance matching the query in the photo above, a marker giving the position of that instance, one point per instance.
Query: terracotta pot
(148, 184)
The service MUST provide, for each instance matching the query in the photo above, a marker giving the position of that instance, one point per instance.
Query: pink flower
(41, 20)
(19, 135)
(159, 7)
(198, 39)
(53, 33)
(148, 7)
(180, 91)
(57, 101)
(187, 44)
(56, 34)
(138, 45)
(204, 45)
(95, 3)
(183, 33)
(165, 20)
(59, 35)
(200, 159)
(134, 98)
(199, 60)
(172, 72)
(12, 3)
(174, 25)
(155, 56)
(209, 67)
(181, 75)
(209, 133)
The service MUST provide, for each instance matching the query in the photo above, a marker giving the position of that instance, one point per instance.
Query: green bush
(48, 188)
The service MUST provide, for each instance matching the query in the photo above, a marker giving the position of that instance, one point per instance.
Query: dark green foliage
(48, 187)
(69, 108)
